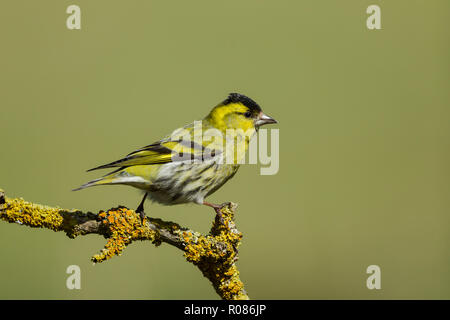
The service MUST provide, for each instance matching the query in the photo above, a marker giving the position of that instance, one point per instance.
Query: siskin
(194, 161)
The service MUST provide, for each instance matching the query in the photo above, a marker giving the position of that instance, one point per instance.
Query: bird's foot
(217, 208)
(141, 214)
(140, 209)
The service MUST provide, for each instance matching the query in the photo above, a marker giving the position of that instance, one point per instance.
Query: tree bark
(215, 254)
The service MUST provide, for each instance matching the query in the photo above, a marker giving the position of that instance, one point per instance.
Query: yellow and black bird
(191, 163)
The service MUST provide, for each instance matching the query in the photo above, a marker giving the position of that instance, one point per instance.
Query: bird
(193, 161)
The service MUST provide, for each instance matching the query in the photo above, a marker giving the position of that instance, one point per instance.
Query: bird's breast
(182, 182)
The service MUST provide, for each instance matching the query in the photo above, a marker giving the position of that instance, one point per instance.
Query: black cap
(246, 101)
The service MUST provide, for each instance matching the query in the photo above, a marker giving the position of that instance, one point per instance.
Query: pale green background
(364, 151)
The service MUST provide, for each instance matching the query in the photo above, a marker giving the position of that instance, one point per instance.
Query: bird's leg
(216, 208)
(140, 208)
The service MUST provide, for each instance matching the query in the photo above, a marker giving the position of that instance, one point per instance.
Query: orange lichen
(216, 253)
(124, 226)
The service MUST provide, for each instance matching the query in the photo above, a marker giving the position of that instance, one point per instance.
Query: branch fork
(215, 254)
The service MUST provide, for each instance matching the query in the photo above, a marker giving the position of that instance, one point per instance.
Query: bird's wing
(170, 149)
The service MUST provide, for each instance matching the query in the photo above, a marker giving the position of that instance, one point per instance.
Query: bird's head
(238, 112)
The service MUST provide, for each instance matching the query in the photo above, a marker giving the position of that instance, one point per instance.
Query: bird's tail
(96, 182)
(110, 178)
(136, 176)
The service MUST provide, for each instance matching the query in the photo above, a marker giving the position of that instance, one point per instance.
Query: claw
(217, 208)
(220, 215)
(143, 216)
(140, 209)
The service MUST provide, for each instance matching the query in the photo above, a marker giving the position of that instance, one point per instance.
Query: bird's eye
(248, 114)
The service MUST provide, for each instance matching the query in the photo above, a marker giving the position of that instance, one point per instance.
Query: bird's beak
(264, 119)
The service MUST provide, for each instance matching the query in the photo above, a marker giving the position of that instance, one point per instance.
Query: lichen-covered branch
(214, 254)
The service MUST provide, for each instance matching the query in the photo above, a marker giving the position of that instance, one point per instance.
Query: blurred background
(364, 141)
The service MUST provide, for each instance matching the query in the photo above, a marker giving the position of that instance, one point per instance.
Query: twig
(215, 254)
